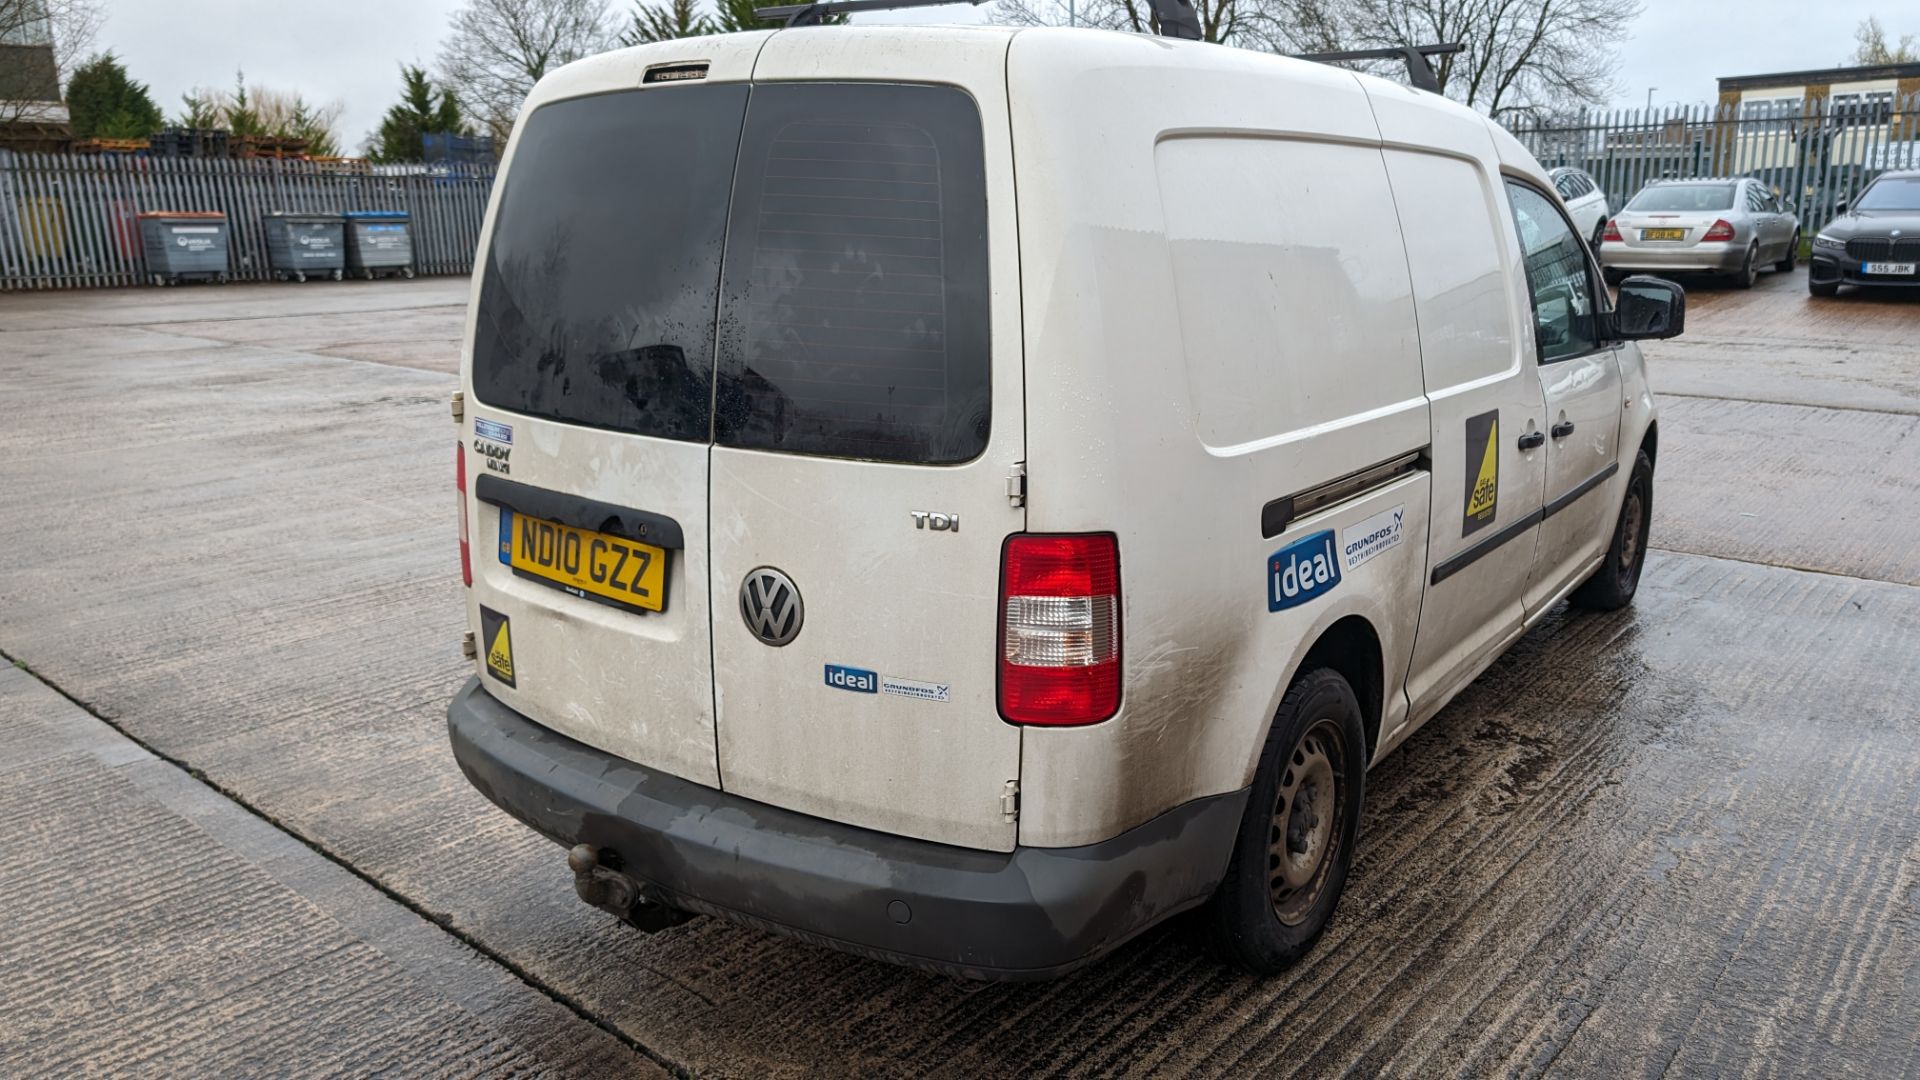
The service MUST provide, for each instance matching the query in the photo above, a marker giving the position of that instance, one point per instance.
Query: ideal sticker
(496, 637)
(1304, 570)
(1379, 533)
(1483, 472)
(858, 680)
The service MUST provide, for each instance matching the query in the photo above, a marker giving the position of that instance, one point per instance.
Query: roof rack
(1419, 72)
(811, 14)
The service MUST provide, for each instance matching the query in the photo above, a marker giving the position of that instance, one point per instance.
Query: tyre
(1599, 231)
(1823, 288)
(1749, 269)
(1786, 265)
(1295, 843)
(1612, 586)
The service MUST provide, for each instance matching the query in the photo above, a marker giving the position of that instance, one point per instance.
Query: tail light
(460, 483)
(1060, 628)
(1721, 231)
(1612, 233)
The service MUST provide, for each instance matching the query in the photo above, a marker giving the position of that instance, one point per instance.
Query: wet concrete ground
(1684, 838)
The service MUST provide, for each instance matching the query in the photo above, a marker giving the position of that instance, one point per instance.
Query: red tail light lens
(460, 485)
(1613, 233)
(1060, 628)
(1721, 231)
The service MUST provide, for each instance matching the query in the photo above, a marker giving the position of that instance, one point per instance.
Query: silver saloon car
(1732, 227)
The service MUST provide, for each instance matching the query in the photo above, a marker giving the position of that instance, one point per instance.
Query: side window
(1564, 185)
(1557, 276)
(1580, 185)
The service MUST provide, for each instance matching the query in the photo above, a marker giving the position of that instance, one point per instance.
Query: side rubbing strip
(1485, 547)
(1281, 512)
(1585, 486)
(581, 513)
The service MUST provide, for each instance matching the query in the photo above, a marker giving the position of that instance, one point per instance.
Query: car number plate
(1663, 234)
(1888, 268)
(596, 566)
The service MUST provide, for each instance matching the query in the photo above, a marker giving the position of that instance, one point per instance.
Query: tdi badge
(497, 641)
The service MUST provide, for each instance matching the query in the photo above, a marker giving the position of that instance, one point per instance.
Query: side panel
(1151, 417)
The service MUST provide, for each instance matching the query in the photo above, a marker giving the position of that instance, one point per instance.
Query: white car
(1587, 205)
(972, 567)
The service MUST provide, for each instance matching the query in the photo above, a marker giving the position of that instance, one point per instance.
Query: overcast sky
(351, 50)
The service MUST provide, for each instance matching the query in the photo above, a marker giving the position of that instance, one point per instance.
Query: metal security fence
(1814, 152)
(68, 221)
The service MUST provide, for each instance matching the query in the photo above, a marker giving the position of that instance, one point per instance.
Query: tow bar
(598, 881)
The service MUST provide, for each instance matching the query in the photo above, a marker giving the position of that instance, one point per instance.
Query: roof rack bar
(1419, 72)
(811, 14)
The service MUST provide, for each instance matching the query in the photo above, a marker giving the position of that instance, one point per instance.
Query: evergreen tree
(676, 19)
(422, 110)
(105, 104)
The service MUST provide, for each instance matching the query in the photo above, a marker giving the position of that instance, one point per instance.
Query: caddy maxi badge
(770, 603)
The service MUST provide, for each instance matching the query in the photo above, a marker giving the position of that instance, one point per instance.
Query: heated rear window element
(854, 318)
(598, 302)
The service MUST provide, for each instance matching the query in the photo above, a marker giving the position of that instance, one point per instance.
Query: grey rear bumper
(1031, 913)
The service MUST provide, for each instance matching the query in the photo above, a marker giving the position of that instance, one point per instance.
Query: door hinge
(1017, 484)
(1010, 802)
(467, 648)
(459, 404)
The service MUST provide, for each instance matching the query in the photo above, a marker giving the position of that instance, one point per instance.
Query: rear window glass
(1684, 197)
(598, 302)
(854, 321)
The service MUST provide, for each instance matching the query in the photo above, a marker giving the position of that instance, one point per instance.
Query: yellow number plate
(1663, 234)
(612, 569)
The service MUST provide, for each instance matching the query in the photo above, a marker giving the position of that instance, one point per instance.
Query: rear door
(868, 413)
(588, 415)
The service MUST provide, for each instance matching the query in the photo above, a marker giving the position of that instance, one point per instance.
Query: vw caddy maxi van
(964, 496)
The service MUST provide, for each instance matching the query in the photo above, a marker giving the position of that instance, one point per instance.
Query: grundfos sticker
(1379, 533)
(496, 638)
(1483, 472)
(914, 688)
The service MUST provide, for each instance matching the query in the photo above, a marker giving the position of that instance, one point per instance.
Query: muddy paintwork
(1676, 839)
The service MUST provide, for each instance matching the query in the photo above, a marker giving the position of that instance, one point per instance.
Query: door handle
(1533, 440)
(1563, 429)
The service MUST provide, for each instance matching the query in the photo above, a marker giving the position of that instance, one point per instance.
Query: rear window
(597, 306)
(854, 321)
(1684, 197)
(844, 256)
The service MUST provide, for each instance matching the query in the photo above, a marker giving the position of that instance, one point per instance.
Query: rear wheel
(1599, 232)
(1290, 858)
(1749, 269)
(1612, 586)
(1786, 265)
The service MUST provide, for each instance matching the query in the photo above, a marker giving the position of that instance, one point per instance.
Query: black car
(1874, 241)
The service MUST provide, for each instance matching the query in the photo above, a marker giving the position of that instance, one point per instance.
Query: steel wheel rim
(1307, 822)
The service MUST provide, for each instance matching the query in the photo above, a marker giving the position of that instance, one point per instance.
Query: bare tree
(1870, 45)
(41, 41)
(1523, 56)
(497, 50)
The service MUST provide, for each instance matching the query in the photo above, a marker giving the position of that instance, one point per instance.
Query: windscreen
(1891, 193)
(598, 301)
(1684, 197)
(854, 320)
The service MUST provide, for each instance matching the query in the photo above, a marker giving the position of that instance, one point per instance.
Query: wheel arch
(1351, 647)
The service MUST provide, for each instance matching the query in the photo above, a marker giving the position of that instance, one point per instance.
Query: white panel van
(964, 496)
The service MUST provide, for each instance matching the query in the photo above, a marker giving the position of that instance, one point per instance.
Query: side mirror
(1649, 307)
(1840, 205)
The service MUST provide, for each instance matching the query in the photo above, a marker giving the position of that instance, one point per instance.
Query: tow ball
(598, 880)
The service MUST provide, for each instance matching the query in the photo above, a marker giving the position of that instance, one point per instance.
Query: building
(32, 116)
(1881, 91)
